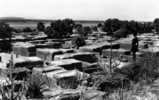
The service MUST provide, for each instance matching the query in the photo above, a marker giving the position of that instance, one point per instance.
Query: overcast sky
(143, 10)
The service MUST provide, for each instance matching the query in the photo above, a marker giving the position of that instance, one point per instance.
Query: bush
(5, 30)
(87, 30)
(60, 28)
(41, 26)
(78, 41)
(37, 84)
(27, 29)
(50, 32)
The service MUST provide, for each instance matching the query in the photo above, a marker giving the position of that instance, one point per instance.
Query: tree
(122, 32)
(78, 41)
(87, 30)
(156, 25)
(111, 25)
(41, 26)
(68, 25)
(99, 25)
(94, 28)
(50, 32)
(133, 26)
(60, 28)
(5, 34)
(27, 29)
(5, 30)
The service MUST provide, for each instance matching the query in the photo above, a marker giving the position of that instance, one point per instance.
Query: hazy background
(141, 10)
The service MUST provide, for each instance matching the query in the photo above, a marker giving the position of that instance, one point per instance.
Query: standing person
(134, 46)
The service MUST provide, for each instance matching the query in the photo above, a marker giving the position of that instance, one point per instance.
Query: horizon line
(49, 19)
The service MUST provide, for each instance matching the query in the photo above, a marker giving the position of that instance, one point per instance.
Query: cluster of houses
(69, 66)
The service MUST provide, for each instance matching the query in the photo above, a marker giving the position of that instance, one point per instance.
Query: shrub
(37, 84)
(41, 26)
(27, 29)
(5, 30)
(60, 28)
(78, 41)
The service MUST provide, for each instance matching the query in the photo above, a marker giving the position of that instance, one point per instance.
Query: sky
(141, 10)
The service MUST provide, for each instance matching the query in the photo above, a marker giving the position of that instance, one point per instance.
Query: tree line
(127, 27)
(63, 28)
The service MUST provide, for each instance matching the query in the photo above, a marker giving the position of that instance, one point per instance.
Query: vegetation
(5, 30)
(156, 25)
(117, 84)
(78, 42)
(5, 35)
(37, 84)
(130, 26)
(87, 30)
(40, 26)
(60, 28)
(27, 29)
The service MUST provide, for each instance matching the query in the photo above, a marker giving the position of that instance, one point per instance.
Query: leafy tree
(27, 29)
(148, 26)
(68, 25)
(37, 83)
(61, 28)
(133, 26)
(78, 41)
(5, 33)
(94, 28)
(99, 25)
(87, 30)
(5, 30)
(156, 25)
(111, 25)
(122, 32)
(41, 26)
(50, 32)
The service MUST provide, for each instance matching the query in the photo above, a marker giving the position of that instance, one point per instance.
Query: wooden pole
(11, 68)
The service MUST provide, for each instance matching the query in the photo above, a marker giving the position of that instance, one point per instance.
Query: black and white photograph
(79, 50)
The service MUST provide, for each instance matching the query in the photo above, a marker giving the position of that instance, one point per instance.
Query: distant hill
(21, 19)
(8, 19)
